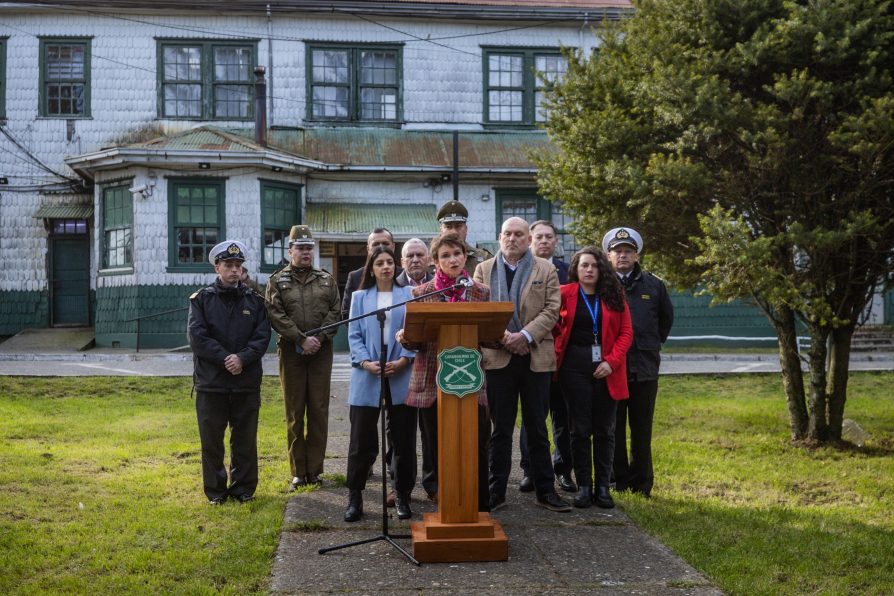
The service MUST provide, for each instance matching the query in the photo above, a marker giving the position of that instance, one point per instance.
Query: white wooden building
(128, 140)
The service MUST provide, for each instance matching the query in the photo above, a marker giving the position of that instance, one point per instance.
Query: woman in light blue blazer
(378, 290)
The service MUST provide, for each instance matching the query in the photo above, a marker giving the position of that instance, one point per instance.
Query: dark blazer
(561, 270)
(616, 333)
(224, 321)
(652, 314)
(404, 280)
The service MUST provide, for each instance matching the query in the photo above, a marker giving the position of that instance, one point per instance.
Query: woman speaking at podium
(378, 290)
(449, 254)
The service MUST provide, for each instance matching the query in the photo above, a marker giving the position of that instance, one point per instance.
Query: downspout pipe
(260, 107)
(455, 165)
(270, 64)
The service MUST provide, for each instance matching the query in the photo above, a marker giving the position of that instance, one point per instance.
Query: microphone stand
(384, 403)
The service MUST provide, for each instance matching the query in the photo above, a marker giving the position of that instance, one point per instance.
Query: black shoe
(296, 482)
(244, 498)
(314, 479)
(218, 500)
(602, 498)
(566, 483)
(496, 502)
(526, 485)
(355, 506)
(402, 504)
(553, 502)
(584, 497)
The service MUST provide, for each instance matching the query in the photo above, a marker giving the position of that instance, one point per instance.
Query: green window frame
(64, 78)
(530, 206)
(196, 217)
(117, 227)
(3, 77)
(355, 83)
(513, 91)
(206, 80)
(280, 210)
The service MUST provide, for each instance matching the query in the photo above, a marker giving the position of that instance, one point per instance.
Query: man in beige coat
(522, 367)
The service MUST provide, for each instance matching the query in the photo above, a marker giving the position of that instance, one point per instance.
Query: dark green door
(70, 281)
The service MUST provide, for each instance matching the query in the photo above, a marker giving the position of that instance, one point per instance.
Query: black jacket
(224, 321)
(652, 315)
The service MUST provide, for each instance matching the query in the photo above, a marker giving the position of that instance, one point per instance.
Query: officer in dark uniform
(652, 315)
(452, 217)
(300, 298)
(228, 332)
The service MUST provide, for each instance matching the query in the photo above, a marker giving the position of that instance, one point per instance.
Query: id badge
(597, 353)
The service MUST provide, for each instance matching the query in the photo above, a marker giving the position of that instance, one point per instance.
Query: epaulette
(197, 292)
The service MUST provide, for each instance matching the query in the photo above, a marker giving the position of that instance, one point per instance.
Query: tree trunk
(783, 320)
(836, 389)
(817, 427)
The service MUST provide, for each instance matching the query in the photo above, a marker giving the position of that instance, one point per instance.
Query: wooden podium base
(437, 542)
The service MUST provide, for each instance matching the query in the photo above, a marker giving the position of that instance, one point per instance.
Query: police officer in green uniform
(452, 217)
(229, 334)
(300, 298)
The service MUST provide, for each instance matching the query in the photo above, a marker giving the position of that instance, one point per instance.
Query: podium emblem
(459, 371)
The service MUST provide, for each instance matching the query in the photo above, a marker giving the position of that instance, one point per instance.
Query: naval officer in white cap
(229, 333)
(652, 315)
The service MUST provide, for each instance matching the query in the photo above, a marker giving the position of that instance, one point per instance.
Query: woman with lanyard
(592, 338)
(449, 254)
(378, 290)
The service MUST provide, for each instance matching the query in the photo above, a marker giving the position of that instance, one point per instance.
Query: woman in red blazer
(592, 338)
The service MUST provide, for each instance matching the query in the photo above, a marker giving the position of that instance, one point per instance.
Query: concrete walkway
(583, 551)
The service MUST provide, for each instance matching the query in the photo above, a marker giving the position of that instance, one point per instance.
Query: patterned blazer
(423, 388)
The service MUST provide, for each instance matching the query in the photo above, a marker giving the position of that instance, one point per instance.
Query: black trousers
(364, 446)
(239, 411)
(428, 418)
(505, 386)
(636, 473)
(592, 414)
(558, 414)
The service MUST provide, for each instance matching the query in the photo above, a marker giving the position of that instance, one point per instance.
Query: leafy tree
(752, 143)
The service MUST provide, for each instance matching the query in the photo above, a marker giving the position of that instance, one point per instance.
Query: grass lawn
(100, 490)
(758, 515)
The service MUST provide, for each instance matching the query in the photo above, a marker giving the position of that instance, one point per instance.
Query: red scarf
(442, 281)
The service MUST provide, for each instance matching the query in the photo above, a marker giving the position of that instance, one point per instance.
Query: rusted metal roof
(204, 138)
(332, 220)
(371, 147)
(65, 211)
(411, 149)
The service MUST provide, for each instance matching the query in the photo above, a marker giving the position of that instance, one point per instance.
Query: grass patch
(100, 491)
(307, 526)
(758, 515)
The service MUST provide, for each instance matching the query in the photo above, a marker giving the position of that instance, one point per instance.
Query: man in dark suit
(544, 239)
(378, 237)
(652, 315)
(415, 261)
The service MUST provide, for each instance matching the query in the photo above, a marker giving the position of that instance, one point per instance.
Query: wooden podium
(458, 532)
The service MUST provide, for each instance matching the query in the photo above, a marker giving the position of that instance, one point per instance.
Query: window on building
(528, 205)
(74, 227)
(65, 78)
(196, 216)
(513, 90)
(117, 226)
(280, 210)
(206, 80)
(354, 83)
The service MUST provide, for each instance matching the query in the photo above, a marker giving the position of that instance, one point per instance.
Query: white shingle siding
(442, 88)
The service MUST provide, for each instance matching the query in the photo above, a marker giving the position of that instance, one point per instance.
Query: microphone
(465, 281)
